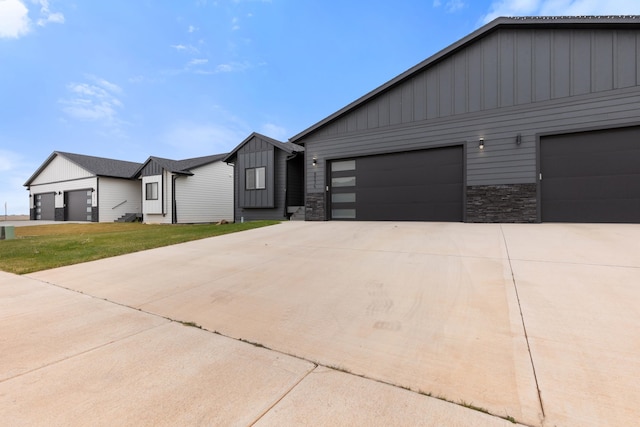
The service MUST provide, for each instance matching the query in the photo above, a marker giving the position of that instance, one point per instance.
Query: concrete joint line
(89, 350)
(285, 394)
(524, 326)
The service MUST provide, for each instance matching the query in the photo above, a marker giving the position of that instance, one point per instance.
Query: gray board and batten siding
(260, 203)
(509, 82)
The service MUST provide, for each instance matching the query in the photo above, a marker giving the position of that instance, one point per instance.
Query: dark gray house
(268, 179)
(524, 120)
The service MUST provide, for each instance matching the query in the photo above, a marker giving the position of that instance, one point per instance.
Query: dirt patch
(14, 218)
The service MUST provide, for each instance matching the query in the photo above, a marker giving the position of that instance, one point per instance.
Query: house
(269, 179)
(186, 191)
(524, 120)
(74, 187)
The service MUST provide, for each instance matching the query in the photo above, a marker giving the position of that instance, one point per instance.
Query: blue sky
(179, 79)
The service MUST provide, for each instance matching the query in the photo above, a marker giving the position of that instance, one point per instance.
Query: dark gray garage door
(423, 185)
(46, 206)
(78, 205)
(591, 176)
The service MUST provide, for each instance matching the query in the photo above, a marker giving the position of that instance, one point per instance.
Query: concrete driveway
(345, 323)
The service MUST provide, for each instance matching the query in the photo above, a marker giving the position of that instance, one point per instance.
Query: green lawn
(42, 247)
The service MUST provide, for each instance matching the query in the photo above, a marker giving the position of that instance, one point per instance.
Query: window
(151, 192)
(254, 179)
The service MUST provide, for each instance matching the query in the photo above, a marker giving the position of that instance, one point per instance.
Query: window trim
(255, 178)
(149, 195)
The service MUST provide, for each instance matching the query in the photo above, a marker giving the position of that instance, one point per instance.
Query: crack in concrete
(524, 326)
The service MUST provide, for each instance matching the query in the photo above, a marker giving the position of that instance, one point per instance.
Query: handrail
(119, 204)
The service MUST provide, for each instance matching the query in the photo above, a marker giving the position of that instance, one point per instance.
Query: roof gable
(582, 22)
(287, 147)
(98, 166)
(181, 167)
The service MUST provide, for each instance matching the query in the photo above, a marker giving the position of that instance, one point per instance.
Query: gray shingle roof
(287, 147)
(182, 166)
(98, 166)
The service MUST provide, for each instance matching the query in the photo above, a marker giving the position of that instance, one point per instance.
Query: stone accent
(32, 214)
(502, 203)
(314, 208)
(94, 214)
(59, 215)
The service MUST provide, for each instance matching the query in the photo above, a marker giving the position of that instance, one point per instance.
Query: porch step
(297, 213)
(129, 217)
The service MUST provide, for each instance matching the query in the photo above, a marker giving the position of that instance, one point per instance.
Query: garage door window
(343, 189)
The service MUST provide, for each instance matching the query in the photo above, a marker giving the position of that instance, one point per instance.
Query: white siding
(118, 197)
(61, 187)
(60, 169)
(156, 211)
(207, 196)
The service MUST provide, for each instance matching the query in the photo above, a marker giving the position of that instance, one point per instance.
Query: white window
(151, 191)
(255, 179)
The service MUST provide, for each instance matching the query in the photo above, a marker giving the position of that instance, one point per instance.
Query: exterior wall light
(481, 144)
(315, 162)
(518, 139)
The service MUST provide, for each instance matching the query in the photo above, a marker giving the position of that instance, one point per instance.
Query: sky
(129, 79)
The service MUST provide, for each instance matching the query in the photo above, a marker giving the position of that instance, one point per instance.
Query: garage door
(46, 206)
(78, 205)
(591, 176)
(425, 185)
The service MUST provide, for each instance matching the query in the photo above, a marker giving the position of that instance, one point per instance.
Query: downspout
(174, 213)
(164, 210)
(97, 208)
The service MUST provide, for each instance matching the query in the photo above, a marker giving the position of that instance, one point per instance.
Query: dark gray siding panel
(524, 68)
(502, 161)
(274, 160)
(255, 153)
(151, 169)
(506, 68)
(581, 63)
(626, 59)
(490, 61)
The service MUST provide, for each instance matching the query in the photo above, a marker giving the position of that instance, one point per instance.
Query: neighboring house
(74, 187)
(269, 179)
(524, 120)
(186, 191)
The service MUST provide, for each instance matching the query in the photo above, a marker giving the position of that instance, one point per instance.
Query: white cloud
(560, 8)
(197, 61)
(47, 16)
(192, 29)
(185, 48)
(96, 100)
(14, 19)
(450, 5)
(235, 24)
(274, 131)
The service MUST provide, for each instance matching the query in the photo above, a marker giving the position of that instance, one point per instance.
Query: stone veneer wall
(59, 214)
(314, 209)
(502, 203)
(94, 214)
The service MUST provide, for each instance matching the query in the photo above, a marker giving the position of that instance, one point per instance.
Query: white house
(186, 191)
(75, 187)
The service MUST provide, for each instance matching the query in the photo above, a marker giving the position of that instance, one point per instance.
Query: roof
(548, 22)
(98, 166)
(182, 167)
(287, 147)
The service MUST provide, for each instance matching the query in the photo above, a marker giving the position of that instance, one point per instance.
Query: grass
(41, 247)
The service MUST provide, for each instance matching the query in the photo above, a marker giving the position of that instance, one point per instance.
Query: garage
(45, 205)
(591, 176)
(78, 205)
(423, 185)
